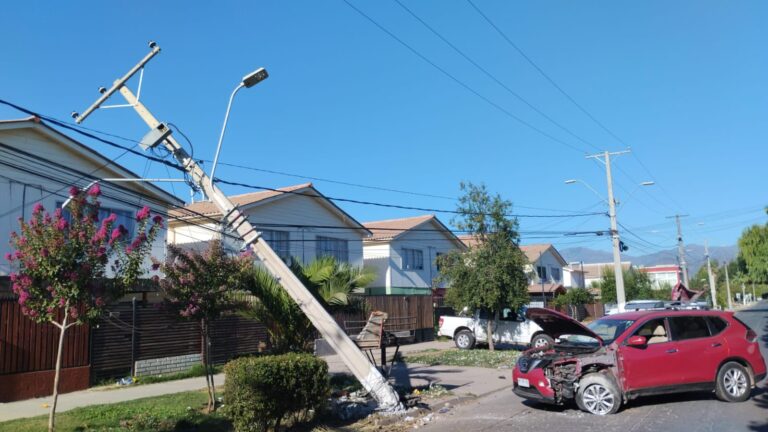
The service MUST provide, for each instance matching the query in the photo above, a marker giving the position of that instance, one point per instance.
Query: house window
(125, 218)
(437, 260)
(413, 259)
(279, 241)
(542, 272)
(333, 247)
(555, 274)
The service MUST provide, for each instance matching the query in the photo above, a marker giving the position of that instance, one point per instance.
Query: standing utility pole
(368, 375)
(728, 288)
(681, 248)
(712, 290)
(743, 295)
(621, 298)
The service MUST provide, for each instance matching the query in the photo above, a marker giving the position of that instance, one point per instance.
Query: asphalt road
(504, 411)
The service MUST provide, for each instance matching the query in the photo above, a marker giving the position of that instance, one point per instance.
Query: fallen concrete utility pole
(368, 375)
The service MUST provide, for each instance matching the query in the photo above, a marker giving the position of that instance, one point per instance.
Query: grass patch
(456, 357)
(176, 412)
(342, 384)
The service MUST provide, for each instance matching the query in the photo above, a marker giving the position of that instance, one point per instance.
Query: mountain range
(694, 255)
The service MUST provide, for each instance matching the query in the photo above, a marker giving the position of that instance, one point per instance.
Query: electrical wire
(463, 84)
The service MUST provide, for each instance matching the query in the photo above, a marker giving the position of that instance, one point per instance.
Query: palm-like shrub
(332, 283)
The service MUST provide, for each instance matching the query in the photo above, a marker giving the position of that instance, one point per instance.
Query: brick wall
(167, 365)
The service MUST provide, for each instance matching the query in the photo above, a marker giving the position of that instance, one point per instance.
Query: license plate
(522, 382)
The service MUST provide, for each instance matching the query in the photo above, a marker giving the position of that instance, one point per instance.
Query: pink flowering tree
(60, 258)
(202, 287)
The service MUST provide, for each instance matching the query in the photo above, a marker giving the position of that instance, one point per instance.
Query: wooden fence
(160, 334)
(129, 332)
(28, 355)
(398, 306)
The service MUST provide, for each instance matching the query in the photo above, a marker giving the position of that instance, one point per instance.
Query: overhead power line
(397, 206)
(562, 91)
(463, 84)
(494, 78)
(74, 127)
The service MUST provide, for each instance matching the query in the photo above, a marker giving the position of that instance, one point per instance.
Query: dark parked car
(620, 357)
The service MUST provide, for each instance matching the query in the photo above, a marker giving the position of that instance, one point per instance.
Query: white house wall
(430, 243)
(20, 190)
(378, 257)
(549, 261)
(296, 210)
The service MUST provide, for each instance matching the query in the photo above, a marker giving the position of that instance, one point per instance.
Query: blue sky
(682, 83)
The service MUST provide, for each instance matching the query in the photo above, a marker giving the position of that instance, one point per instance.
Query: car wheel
(542, 340)
(733, 383)
(464, 340)
(598, 394)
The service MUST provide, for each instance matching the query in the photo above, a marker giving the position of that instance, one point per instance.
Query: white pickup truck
(511, 328)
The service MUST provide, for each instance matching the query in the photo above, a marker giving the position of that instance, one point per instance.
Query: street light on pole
(248, 81)
(620, 295)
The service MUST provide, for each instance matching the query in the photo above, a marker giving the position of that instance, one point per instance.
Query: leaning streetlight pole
(368, 375)
(621, 297)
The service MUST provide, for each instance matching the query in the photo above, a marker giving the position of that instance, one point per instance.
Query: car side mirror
(637, 341)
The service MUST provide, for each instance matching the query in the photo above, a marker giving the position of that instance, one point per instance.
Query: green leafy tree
(332, 283)
(62, 259)
(573, 297)
(492, 274)
(637, 286)
(202, 287)
(753, 249)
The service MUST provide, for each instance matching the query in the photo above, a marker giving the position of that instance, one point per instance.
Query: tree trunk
(208, 377)
(62, 329)
(210, 370)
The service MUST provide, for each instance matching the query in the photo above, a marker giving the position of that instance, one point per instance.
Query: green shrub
(261, 391)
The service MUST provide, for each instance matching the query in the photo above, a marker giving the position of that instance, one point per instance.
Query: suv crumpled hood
(556, 324)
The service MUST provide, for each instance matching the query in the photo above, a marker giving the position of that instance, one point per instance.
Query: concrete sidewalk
(459, 380)
(101, 395)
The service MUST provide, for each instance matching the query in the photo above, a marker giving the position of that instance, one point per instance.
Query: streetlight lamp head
(647, 183)
(570, 181)
(255, 77)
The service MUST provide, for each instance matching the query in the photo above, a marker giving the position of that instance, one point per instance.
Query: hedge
(261, 391)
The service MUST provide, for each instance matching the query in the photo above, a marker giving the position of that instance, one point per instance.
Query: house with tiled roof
(545, 270)
(297, 221)
(404, 253)
(38, 164)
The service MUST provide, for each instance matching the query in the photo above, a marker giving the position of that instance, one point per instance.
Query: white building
(663, 276)
(404, 252)
(594, 272)
(39, 164)
(298, 222)
(573, 276)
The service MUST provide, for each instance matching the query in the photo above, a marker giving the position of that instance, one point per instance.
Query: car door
(506, 326)
(481, 325)
(657, 364)
(698, 349)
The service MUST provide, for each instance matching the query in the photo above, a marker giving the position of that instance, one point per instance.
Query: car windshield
(609, 329)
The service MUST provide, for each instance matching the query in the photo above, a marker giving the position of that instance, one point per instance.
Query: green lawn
(457, 357)
(176, 412)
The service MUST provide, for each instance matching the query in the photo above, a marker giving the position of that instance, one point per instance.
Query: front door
(656, 364)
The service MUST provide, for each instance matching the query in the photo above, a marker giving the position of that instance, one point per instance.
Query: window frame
(639, 327)
(674, 337)
(539, 270)
(284, 251)
(412, 253)
(334, 252)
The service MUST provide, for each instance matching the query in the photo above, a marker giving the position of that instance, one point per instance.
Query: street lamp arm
(224, 129)
(572, 181)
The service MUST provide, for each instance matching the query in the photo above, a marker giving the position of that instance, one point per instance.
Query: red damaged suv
(620, 357)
